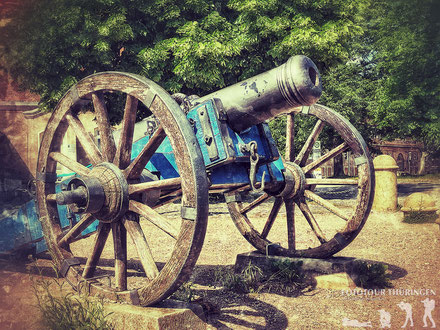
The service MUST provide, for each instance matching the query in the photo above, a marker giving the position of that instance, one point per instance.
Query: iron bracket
(232, 198)
(188, 213)
(208, 136)
(67, 263)
(360, 160)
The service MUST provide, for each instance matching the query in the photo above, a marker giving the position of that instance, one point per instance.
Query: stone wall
(407, 154)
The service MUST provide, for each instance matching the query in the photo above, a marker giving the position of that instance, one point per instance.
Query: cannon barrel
(295, 83)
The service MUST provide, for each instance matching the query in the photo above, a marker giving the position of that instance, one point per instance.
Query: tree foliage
(379, 59)
(194, 46)
(391, 85)
(408, 57)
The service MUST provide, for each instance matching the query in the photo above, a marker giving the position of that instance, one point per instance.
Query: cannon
(150, 179)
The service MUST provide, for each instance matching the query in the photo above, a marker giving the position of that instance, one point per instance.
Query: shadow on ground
(405, 189)
(224, 309)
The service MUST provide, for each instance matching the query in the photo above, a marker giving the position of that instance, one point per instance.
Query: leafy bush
(371, 275)
(233, 282)
(284, 276)
(420, 217)
(184, 293)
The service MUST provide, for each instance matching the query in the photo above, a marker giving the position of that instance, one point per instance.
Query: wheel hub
(295, 181)
(104, 193)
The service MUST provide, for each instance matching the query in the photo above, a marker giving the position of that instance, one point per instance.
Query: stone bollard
(385, 193)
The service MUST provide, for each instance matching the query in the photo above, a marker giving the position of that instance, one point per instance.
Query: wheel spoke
(84, 139)
(123, 152)
(137, 235)
(85, 221)
(120, 245)
(311, 220)
(173, 183)
(255, 203)
(168, 198)
(272, 216)
(326, 204)
(51, 197)
(329, 155)
(303, 155)
(290, 137)
(134, 170)
(105, 130)
(290, 219)
(100, 239)
(155, 218)
(69, 163)
(312, 181)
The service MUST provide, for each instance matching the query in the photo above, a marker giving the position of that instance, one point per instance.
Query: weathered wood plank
(173, 183)
(120, 246)
(123, 151)
(255, 203)
(303, 155)
(290, 137)
(85, 221)
(324, 158)
(71, 164)
(312, 181)
(290, 221)
(272, 216)
(311, 220)
(136, 167)
(98, 246)
(84, 139)
(324, 203)
(155, 218)
(105, 130)
(143, 250)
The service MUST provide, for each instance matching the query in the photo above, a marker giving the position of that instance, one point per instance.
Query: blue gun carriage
(185, 148)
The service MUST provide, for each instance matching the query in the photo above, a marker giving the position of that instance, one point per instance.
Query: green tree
(194, 46)
(408, 53)
(391, 86)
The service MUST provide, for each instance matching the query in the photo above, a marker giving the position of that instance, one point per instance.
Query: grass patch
(419, 217)
(372, 275)
(185, 293)
(232, 281)
(61, 309)
(284, 277)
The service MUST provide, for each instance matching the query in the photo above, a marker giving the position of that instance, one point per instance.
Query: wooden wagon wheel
(307, 232)
(117, 191)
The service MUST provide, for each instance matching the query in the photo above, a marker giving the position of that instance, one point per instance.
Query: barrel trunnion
(150, 180)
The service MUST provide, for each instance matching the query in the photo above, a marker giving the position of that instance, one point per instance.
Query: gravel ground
(410, 250)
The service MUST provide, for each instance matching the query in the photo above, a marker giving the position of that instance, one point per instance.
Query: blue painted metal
(219, 139)
(23, 230)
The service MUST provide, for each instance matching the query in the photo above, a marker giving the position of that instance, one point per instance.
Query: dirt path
(411, 250)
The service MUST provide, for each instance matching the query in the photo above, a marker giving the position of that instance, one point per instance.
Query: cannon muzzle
(295, 83)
